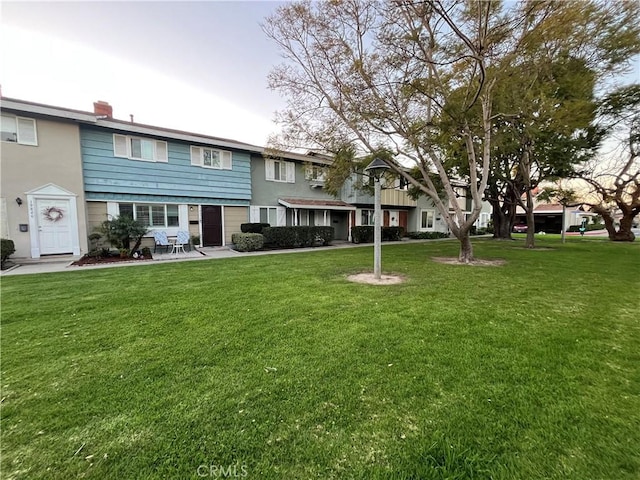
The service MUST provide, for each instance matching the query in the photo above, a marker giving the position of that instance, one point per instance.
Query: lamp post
(376, 169)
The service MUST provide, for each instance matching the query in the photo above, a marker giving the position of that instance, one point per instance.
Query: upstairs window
(280, 171)
(211, 158)
(19, 130)
(138, 148)
(315, 173)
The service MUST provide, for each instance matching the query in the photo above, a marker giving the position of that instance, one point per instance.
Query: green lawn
(277, 367)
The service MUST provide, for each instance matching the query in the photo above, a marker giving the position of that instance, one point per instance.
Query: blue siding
(112, 178)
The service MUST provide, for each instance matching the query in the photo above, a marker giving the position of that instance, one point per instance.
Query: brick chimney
(101, 108)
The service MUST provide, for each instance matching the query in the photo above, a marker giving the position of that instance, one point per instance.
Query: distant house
(548, 217)
(288, 191)
(43, 203)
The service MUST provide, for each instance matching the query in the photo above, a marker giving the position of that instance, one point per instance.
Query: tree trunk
(502, 221)
(607, 218)
(136, 246)
(624, 233)
(466, 249)
(531, 222)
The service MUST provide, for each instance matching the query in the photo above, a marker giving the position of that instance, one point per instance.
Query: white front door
(54, 226)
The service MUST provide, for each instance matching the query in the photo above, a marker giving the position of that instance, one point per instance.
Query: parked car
(520, 228)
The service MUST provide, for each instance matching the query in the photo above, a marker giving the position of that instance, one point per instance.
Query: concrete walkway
(63, 264)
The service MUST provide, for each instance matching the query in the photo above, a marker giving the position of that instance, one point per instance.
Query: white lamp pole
(377, 168)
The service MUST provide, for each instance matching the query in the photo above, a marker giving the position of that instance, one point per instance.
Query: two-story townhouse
(42, 195)
(400, 210)
(288, 190)
(171, 180)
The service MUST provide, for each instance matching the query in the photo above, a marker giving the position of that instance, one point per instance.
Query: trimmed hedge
(365, 233)
(427, 235)
(296, 237)
(589, 227)
(253, 227)
(392, 234)
(7, 248)
(247, 242)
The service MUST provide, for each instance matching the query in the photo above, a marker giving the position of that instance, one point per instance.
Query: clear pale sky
(194, 66)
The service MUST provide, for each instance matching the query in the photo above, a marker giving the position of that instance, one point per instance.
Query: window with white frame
(152, 215)
(367, 217)
(138, 148)
(18, 130)
(211, 158)
(483, 220)
(315, 173)
(274, 216)
(427, 219)
(280, 171)
(269, 215)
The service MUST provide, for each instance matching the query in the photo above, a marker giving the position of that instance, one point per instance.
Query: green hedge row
(426, 235)
(253, 227)
(247, 242)
(300, 236)
(590, 227)
(365, 233)
(7, 248)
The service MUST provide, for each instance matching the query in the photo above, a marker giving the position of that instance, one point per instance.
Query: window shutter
(291, 172)
(120, 146)
(161, 151)
(196, 159)
(254, 214)
(269, 169)
(27, 131)
(281, 216)
(225, 160)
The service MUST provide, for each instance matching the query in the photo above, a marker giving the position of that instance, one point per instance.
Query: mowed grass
(278, 367)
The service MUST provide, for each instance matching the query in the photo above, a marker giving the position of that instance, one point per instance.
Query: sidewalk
(203, 253)
(65, 264)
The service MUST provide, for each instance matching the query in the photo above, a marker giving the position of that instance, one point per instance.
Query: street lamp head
(377, 168)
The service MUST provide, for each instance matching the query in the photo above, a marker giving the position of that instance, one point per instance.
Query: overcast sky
(195, 66)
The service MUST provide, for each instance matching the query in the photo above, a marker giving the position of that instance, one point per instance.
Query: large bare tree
(409, 78)
(613, 182)
(389, 76)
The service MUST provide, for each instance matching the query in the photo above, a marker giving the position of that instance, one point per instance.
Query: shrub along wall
(7, 248)
(253, 227)
(589, 227)
(247, 242)
(295, 237)
(365, 233)
(426, 235)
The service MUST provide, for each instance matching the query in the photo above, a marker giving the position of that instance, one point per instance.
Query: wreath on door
(53, 214)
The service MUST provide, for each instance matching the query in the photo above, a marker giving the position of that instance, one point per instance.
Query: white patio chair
(161, 241)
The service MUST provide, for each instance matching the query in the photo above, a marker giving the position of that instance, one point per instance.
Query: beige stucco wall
(96, 214)
(233, 218)
(56, 159)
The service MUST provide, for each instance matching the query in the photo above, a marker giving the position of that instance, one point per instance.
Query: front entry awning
(309, 204)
